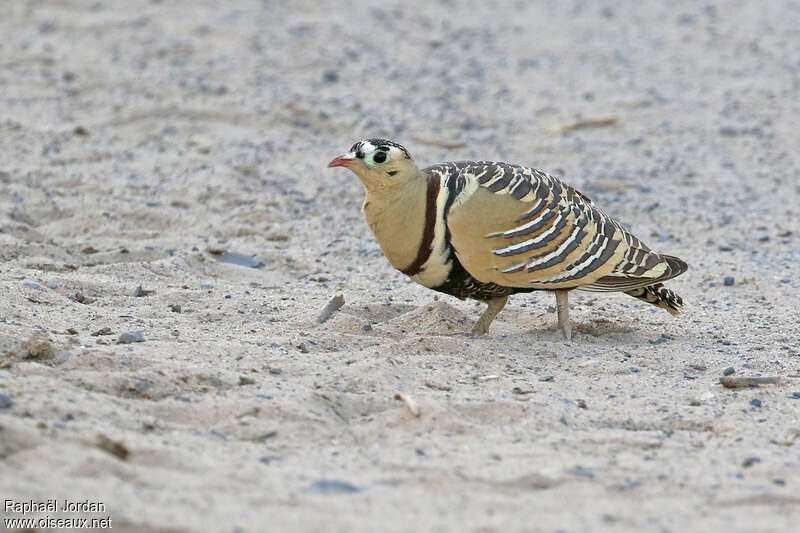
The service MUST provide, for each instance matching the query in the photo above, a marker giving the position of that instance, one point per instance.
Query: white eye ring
(369, 159)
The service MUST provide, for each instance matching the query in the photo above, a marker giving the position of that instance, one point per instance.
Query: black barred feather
(659, 296)
(562, 229)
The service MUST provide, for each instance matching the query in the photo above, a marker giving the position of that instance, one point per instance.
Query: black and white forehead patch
(370, 145)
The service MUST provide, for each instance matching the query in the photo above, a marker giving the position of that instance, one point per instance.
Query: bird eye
(376, 158)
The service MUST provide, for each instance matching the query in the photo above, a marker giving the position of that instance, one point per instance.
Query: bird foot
(479, 329)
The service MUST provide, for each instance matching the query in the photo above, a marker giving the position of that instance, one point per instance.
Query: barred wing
(520, 227)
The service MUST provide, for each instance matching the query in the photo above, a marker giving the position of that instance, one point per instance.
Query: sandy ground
(139, 140)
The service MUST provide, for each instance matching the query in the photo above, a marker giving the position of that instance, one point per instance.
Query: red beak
(341, 161)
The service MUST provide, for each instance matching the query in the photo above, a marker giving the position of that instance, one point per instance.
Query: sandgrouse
(486, 230)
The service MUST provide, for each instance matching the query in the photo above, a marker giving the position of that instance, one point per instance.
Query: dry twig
(733, 382)
(580, 124)
(410, 403)
(438, 386)
(334, 305)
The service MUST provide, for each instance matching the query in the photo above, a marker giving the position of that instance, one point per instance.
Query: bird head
(378, 163)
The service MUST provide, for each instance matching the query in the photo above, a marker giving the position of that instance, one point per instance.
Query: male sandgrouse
(486, 230)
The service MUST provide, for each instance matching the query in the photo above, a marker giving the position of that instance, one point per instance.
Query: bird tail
(659, 296)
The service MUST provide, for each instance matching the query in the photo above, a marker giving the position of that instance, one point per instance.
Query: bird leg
(562, 304)
(495, 305)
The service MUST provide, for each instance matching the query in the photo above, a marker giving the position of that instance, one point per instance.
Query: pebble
(239, 259)
(267, 459)
(102, 331)
(796, 395)
(5, 401)
(330, 76)
(728, 371)
(366, 327)
(582, 471)
(218, 434)
(140, 292)
(629, 484)
(62, 357)
(330, 486)
(33, 285)
(750, 461)
(755, 402)
(175, 308)
(130, 337)
(728, 281)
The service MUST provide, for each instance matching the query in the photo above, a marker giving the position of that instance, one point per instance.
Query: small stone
(629, 484)
(275, 371)
(547, 378)
(694, 402)
(303, 348)
(72, 331)
(779, 481)
(330, 486)
(750, 461)
(244, 380)
(81, 299)
(62, 357)
(728, 371)
(130, 337)
(114, 447)
(755, 402)
(728, 281)
(634, 369)
(581, 404)
(582, 472)
(366, 327)
(33, 285)
(5, 401)
(102, 331)
(175, 308)
(267, 459)
(38, 347)
(80, 130)
(239, 259)
(330, 76)
(140, 292)
(796, 395)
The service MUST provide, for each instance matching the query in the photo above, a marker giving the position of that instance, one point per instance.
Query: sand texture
(169, 235)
